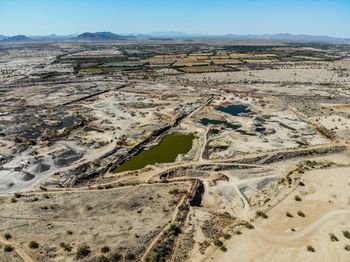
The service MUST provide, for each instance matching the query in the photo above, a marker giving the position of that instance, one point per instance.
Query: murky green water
(165, 152)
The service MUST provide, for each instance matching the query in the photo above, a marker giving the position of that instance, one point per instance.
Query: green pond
(166, 151)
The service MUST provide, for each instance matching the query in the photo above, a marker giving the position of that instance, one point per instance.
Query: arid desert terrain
(174, 150)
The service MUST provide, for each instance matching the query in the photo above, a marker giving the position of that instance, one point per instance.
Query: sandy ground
(124, 218)
(325, 202)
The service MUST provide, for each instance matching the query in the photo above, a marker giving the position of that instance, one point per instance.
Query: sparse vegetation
(333, 237)
(346, 234)
(311, 248)
(82, 251)
(115, 257)
(297, 198)
(18, 195)
(66, 247)
(249, 225)
(7, 236)
(174, 229)
(220, 244)
(227, 236)
(261, 214)
(289, 214)
(8, 248)
(105, 249)
(33, 244)
(301, 213)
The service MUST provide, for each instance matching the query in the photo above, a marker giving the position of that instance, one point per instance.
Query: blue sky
(41, 17)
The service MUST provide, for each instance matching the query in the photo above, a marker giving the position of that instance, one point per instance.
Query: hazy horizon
(44, 17)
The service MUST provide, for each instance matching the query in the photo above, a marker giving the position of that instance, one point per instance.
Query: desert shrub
(7, 236)
(289, 214)
(8, 248)
(69, 232)
(99, 259)
(66, 247)
(238, 232)
(174, 191)
(174, 229)
(130, 256)
(83, 251)
(297, 198)
(114, 257)
(261, 214)
(18, 195)
(333, 237)
(346, 234)
(310, 248)
(301, 213)
(218, 242)
(227, 236)
(301, 183)
(105, 249)
(183, 207)
(249, 225)
(13, 200)
(347, 247)
(223, 248)
(33, 244)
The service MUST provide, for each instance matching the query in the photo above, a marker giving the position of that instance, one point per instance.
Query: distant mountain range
(16, 38)
(102, 36)
(108, 36)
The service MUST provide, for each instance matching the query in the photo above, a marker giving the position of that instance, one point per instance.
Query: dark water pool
(234, 110)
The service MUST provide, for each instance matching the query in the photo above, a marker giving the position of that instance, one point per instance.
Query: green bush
(115, 257)
(18, 195)
(297, 198)
(218, 242)
(105, 249)
(311, 248)
(66, 247)
(346, 234)
(223, 248)
(261, 214)
(289, 214)
(333, 237)
(83, 251)
(8, 248)
(7, 236)
(174, 229)
(227, 236)
(301, 213)
(33, 244)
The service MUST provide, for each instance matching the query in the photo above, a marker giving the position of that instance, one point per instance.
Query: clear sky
(42, 17)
